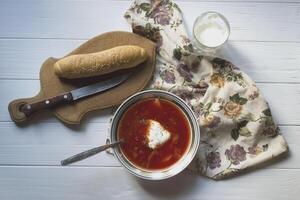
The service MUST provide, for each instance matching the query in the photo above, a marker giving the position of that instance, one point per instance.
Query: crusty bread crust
(103, 62)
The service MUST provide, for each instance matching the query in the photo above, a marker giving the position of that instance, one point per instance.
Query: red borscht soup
(169, 138)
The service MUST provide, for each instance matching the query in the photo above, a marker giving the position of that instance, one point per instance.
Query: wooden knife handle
(19, 112)
(30, 108)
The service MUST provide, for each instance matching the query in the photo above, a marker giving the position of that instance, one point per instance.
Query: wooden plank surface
(283, 100)
(264, 42)
(48, 143)
(83, 183)
(84, 19)
(264, 61)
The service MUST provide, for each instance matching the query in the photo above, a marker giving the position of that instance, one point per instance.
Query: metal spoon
(89, 153)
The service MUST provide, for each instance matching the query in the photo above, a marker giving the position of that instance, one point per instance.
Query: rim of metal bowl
(179, 165)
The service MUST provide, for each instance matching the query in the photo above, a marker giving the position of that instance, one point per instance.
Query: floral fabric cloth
(237, 129)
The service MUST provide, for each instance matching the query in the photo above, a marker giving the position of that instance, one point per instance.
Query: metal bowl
(181, 164)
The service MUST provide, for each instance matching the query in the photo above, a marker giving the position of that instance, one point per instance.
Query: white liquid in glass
(211, 30)
(211, 35)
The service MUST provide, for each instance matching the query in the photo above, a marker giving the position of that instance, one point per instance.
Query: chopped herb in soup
(156, 134)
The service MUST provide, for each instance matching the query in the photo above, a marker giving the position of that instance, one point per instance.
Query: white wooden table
(264, 42)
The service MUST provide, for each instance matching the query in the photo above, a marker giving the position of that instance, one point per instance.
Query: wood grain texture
(85, 19)
(83, 183)
(72, 113)
(240, 1)
(284, 99)
(264, 61)
(264, 42)
(49, 143)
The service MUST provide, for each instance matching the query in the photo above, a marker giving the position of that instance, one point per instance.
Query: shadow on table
(93, 116)
(234, 55)
(185, 182)
(250, 65)
(176, 186)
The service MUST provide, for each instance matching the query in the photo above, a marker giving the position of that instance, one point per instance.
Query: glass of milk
(211, 30)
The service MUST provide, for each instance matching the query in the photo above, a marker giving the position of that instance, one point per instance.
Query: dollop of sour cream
(157, 134)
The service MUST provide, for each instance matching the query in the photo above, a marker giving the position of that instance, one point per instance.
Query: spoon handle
(88, 153)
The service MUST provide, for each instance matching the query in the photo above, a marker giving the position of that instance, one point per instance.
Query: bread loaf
(103, 62)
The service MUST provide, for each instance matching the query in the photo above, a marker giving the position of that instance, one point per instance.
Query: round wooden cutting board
(72, 113)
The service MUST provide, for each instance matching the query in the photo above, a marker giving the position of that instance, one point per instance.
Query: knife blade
(75, 94)
(98, 87)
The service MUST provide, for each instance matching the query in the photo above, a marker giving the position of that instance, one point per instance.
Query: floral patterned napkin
(237, 129)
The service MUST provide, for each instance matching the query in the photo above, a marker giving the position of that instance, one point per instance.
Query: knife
(75, 95)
